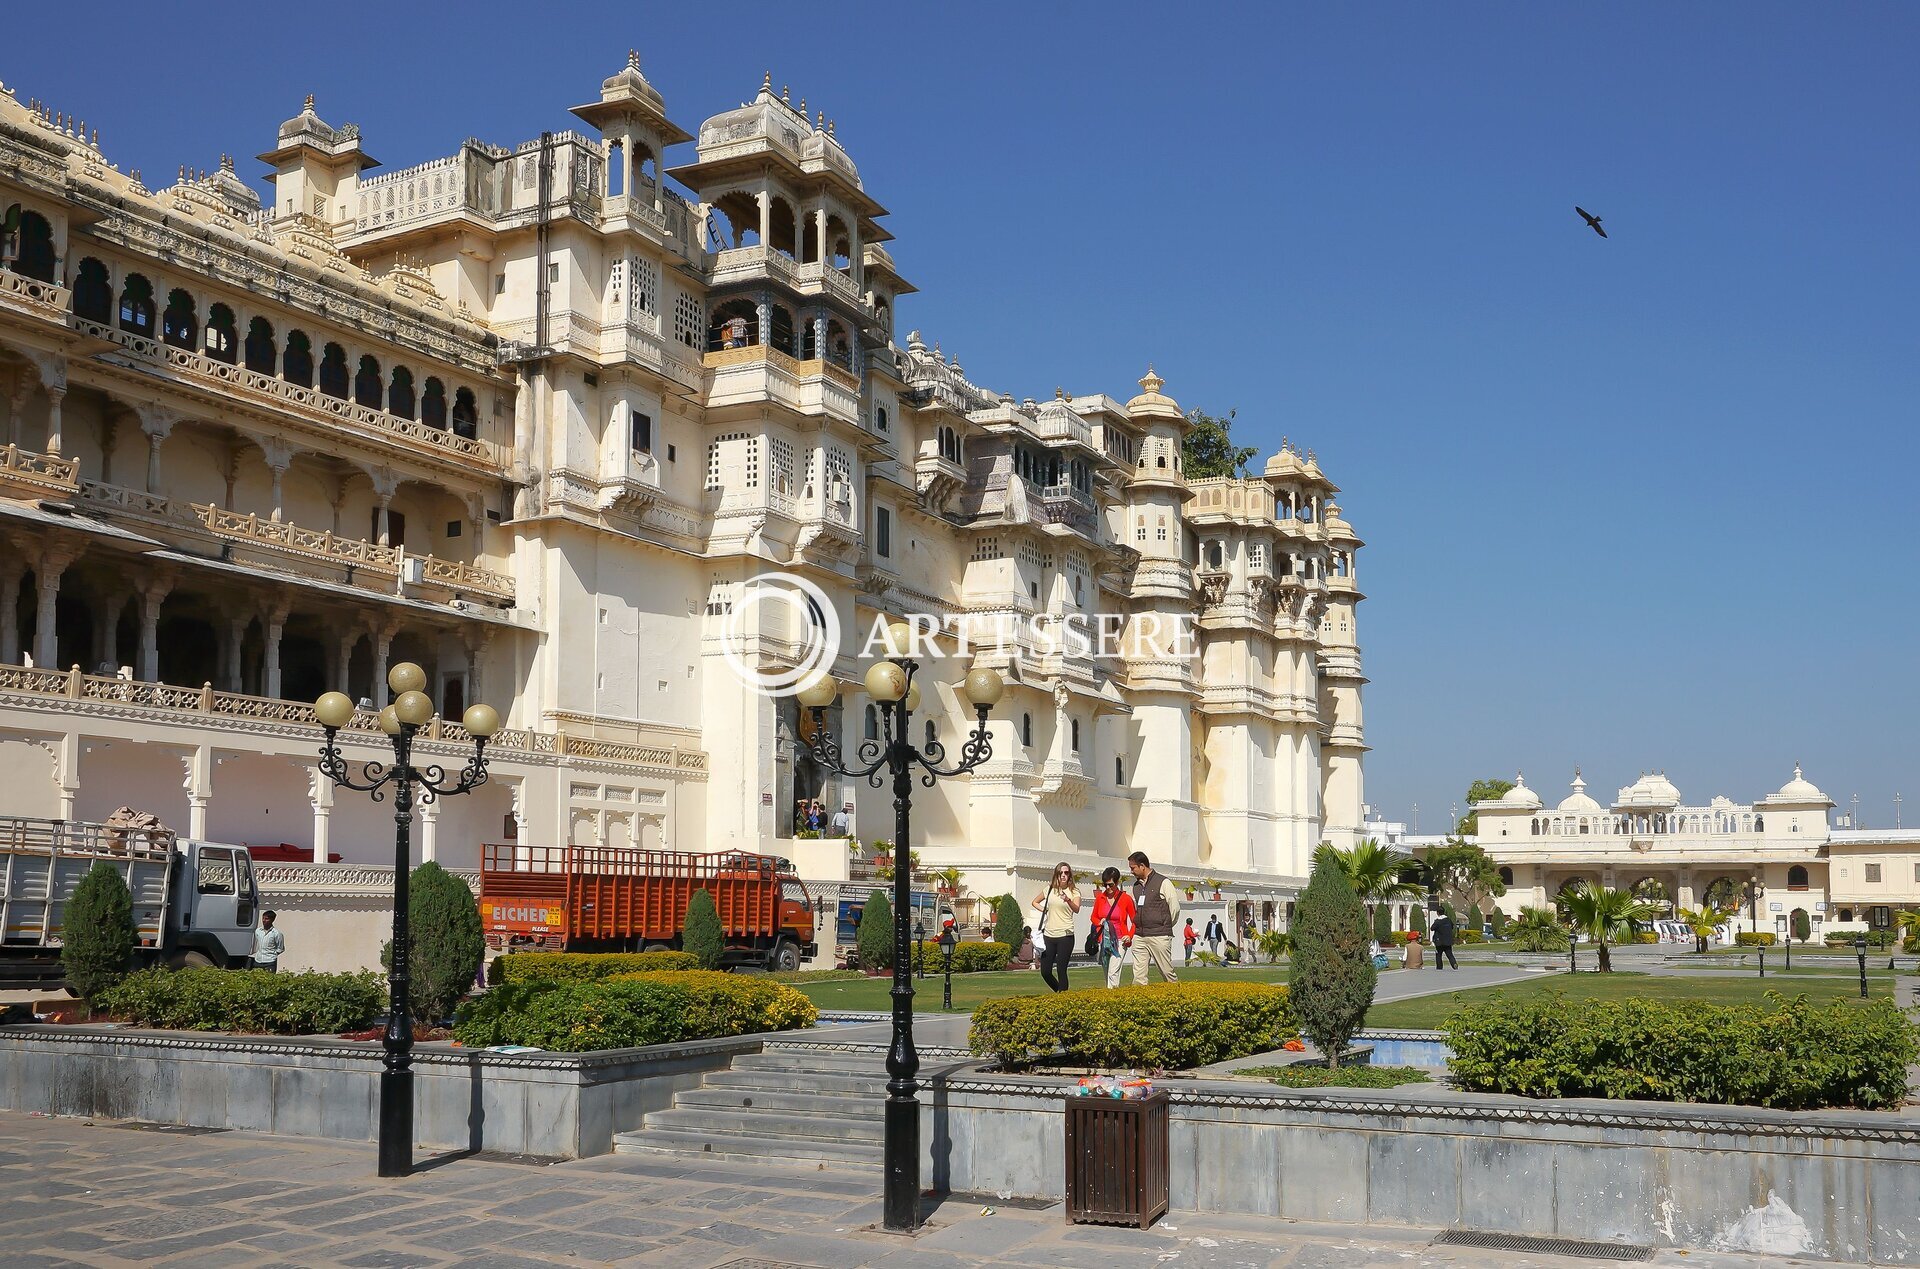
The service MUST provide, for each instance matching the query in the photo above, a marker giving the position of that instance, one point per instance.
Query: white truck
(194, 903)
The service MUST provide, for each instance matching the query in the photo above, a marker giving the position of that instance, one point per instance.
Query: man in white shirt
(840, 823)
(268, 944)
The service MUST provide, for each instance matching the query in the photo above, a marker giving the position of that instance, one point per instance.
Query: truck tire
(785, 958)
(190, 960)
(657, 947)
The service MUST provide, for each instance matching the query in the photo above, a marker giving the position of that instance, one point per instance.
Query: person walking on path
(1113, 925)
(1443, 942)
(1156, 906)
(269, 944)
(1214, 934)
(1057, 905)
(1188, 937)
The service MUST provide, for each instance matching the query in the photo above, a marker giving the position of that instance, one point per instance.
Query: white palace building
(1766, 860)
(530, 416)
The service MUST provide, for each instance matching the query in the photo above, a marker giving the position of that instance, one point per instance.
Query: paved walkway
(76, 1192)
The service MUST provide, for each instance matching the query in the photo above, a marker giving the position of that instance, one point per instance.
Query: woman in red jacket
(1113, 923)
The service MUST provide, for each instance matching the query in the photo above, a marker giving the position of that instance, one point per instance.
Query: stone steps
(853, 1122)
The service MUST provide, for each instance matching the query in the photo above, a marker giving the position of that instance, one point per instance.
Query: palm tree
(1538, 930)
(1601, 913)
(949, 878)
(1376, 873)
(1704, 922)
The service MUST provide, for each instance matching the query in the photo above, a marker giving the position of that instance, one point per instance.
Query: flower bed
(1164, 1026)
(521, 967)
(1789, 1054)
(630, 1010)
(247, 1001)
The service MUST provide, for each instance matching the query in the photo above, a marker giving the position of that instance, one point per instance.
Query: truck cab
(216, 906)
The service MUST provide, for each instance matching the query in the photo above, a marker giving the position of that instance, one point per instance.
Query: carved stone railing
(311, 403)
(44, 299)
(313, 543)
(133, 502)
(345, 881)
(165, 701)
(468, 577)
(37, 474)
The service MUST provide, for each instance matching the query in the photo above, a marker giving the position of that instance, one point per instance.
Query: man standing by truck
(268, 944)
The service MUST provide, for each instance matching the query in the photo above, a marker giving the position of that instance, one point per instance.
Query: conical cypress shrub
(1333, 974)
(701, 935)
(875, 935)
(97, 932)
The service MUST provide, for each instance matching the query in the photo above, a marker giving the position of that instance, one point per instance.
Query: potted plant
(1213, 884)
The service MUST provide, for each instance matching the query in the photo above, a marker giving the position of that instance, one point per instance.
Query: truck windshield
(216, 871)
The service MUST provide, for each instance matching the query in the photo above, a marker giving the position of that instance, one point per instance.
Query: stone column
(67, 771)
(230, 649)
(106, 620)
(199, 787)
(54, 398)
(820, 340)
(477, 641)
(385, 484)
(46, 579)
(820, 237)
(17, 409)
(343, 661)
(279, 456)
(157, 423)
(109, 434)
(766, 217)
(429, 831)
(382, 636)
(273, 622)
(320, 797)
(13, 570)
(152, 595)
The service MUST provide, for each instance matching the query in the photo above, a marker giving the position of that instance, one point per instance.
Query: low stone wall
(564, 1105)
(1841, 1185)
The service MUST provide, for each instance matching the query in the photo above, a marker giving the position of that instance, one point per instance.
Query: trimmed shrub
(1877, 940)
(445, 942)
(631, 1010)
(1163, 1026)
(1497, 925)
(523, 967)
(1395, 938)
(1301, 1075)
(250, 1001)
(815, 975)
(1753, 938)
(1007, 920)
(701, 935)
(1788, 1054)
(1382, 924)
(968, 958)
(96, 933)
(1333, 974)
(1645, 936)
(874, 938)
(1420, 921)
(1472, 936)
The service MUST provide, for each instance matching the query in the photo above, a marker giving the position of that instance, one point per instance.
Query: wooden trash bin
(1117, 1160)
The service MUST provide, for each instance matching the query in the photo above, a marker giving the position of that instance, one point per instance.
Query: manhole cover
(1544, 1246)
(177, 1130)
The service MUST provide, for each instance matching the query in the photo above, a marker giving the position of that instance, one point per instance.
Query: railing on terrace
(251, 527)
(317, 405)
(168, 700)
(38, 472)
(46, 295)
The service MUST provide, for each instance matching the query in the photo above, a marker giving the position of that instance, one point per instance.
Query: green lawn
(970, 990)
(1431, 1011)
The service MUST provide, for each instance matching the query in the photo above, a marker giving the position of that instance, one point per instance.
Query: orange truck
(613, 899)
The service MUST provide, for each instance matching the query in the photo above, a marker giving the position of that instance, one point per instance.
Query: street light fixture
(919, 937)
(1573, 948)
(947, 940)
(891, 685)
(411, 710)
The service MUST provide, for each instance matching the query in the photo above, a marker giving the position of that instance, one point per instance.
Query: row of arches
(1617, 825)
(26, 245)
(737, 324)
(218, 336)
(739, 220)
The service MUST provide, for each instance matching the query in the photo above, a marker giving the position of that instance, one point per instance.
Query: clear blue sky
(1636, 503)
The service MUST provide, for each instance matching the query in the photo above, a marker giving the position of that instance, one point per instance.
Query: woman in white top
(1056, 906)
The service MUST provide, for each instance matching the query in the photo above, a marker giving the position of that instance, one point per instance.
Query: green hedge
(1302, 1076)
(630, 1010)
(1877, 940)
(1749, 938)
(249, 1001)
(523, 967)
(968, 958)
(1788, 1054)
(1164, 1026)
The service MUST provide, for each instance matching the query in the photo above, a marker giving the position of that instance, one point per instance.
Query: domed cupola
(1577, 802)
(1798, 791)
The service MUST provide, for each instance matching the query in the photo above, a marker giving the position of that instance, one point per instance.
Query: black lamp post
(411, 710)
(890, 684)
(919, 937)
(1860, 950)
(947, 940)
(1573, 948)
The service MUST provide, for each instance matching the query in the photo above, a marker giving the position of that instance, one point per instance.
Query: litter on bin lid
(1109, 1086)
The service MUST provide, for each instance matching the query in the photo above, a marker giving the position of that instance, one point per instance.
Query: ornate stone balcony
(312, 543)
(760, 373)
(70, 691)
(26, 474)
(311, 406)
(749, 264)
(33, 297)
(1065, 505)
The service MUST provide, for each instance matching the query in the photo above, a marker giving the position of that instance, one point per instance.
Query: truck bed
(613, 893)
(42, 862)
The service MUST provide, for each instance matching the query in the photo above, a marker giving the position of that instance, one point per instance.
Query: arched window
(1796, 878)
(299, 360)
(333, 371)
(1073, 731)
(873, 723)
(735, 324)
(179, 327)
(433, 404)
(1506, 876)
(400, 394)
(1026, 729)
(1216, 557)
(1759, 824)
(783, 332)
(223, 342)
(466, 414)
(367, 388)
(27, 244)
(136, 305)
(839, 346)
(93, 292)
(1119, 771)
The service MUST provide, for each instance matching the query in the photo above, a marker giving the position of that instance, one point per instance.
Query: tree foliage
(1605, 915)
(1480, 791)
(1465, 874)
(1208, 449)
(1376, 873)
(1007, 920)
(1382, 923)
(445, 942)
(1333, 974)
(875, 935)
(1539, 930)
(1802, 925)
(701, 935)
(97, 933)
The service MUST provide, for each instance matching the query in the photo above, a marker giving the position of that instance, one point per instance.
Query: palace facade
(531, 416)
(1766, 861)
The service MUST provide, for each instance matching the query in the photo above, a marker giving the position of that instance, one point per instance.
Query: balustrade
(40, 473)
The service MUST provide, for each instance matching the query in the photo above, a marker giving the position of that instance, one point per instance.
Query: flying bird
(1593, 221)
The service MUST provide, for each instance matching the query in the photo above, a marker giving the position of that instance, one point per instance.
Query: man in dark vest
(1443, 941)
(1156, 906)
